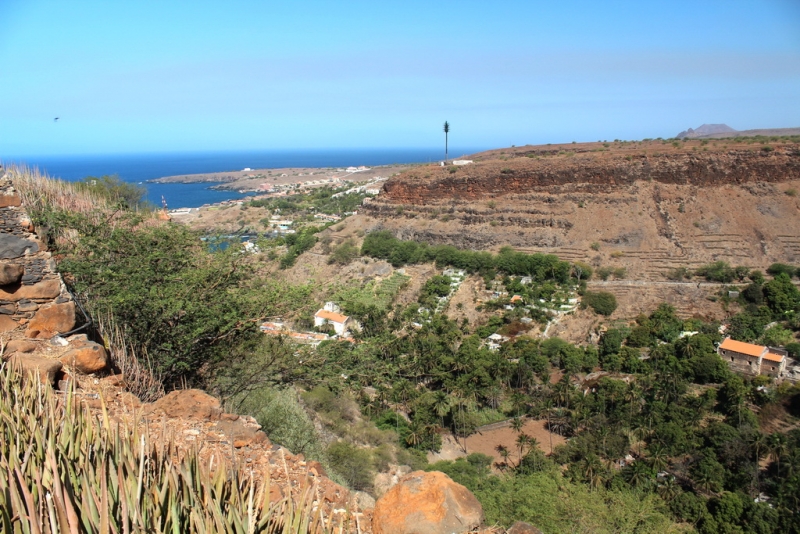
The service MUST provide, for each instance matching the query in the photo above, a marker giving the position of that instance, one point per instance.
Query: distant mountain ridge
(723, 130)
(706, 130)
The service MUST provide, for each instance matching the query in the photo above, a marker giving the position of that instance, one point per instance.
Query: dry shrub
(132, 362)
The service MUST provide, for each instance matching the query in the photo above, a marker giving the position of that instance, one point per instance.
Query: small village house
(753, 359)
(331, 314)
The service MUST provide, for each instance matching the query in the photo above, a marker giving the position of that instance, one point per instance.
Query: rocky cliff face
(590, 173)
(648, 207)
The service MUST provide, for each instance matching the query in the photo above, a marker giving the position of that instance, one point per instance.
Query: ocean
(138, 168)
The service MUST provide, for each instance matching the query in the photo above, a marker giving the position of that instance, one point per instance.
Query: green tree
(601, 302)
(781, 295)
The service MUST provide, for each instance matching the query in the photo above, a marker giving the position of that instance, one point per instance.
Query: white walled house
(337, 320)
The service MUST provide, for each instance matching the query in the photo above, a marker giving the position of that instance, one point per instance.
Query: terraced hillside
(648, 207)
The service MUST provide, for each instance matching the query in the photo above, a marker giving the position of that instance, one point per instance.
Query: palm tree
(669, 489)
(776, 446)
(658, 458)
(758, 442)
(441, 405)
(522, 442)
(446, 131)
(593, 471)
(504, 452)
(517, 423)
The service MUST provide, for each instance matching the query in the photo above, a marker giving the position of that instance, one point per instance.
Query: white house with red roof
(331, 314)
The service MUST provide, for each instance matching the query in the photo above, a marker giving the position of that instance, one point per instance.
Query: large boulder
(52, 319)
(87, 357)
(427, 503)
(188, 404)
(10, 273)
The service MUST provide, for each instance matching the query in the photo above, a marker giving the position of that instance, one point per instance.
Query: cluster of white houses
(752, 359)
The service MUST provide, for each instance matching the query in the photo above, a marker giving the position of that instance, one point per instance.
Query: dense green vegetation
(182, 308)
(670, 435)
(540, 267)
(319, 200)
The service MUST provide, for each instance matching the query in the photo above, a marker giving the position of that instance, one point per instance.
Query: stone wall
(33, 297)
(741, 363)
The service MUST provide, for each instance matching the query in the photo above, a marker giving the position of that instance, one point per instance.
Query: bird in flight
(56, 119)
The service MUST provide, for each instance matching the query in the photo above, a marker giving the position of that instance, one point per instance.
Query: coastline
(264, 180)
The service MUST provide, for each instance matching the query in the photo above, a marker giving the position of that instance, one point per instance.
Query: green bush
(601, 302)
(719, 271)
(352, 464)
(344, 253)
(777, 268)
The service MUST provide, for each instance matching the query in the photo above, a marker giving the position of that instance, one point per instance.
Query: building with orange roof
(753, 359)
(337, 320)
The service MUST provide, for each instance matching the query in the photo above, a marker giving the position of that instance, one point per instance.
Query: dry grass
(40, 192)
(133, 363)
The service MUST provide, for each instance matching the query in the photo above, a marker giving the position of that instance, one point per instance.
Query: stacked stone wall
(33, 296)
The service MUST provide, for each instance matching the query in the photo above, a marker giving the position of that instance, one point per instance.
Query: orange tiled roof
(330, 316)
(742, 348)
(771, 356)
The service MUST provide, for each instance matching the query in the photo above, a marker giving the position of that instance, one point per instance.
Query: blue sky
(140, 76)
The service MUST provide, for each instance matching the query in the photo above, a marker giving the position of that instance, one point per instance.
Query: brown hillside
(646, 206)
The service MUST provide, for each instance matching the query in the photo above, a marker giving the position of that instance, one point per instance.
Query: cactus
(63, 469)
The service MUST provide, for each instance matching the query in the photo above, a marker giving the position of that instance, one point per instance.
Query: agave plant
(64, 470)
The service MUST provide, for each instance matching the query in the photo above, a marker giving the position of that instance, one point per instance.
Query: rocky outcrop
(524, 175)
(427, 503)
(649, 208)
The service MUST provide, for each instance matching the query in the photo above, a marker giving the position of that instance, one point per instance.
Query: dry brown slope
(647, 207)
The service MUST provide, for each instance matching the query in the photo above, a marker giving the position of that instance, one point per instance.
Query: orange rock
(7, 200)
(46, 289)
(427, 503)
(52, 319)
(7, 324)
(88, 358)
(21, 345)
(187, 404)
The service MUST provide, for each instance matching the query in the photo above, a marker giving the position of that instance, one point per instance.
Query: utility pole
(446, 131)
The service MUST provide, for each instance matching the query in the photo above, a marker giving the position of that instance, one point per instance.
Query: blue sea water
(138, 168)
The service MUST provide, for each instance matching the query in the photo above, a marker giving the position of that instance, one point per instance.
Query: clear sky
(142, 76)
